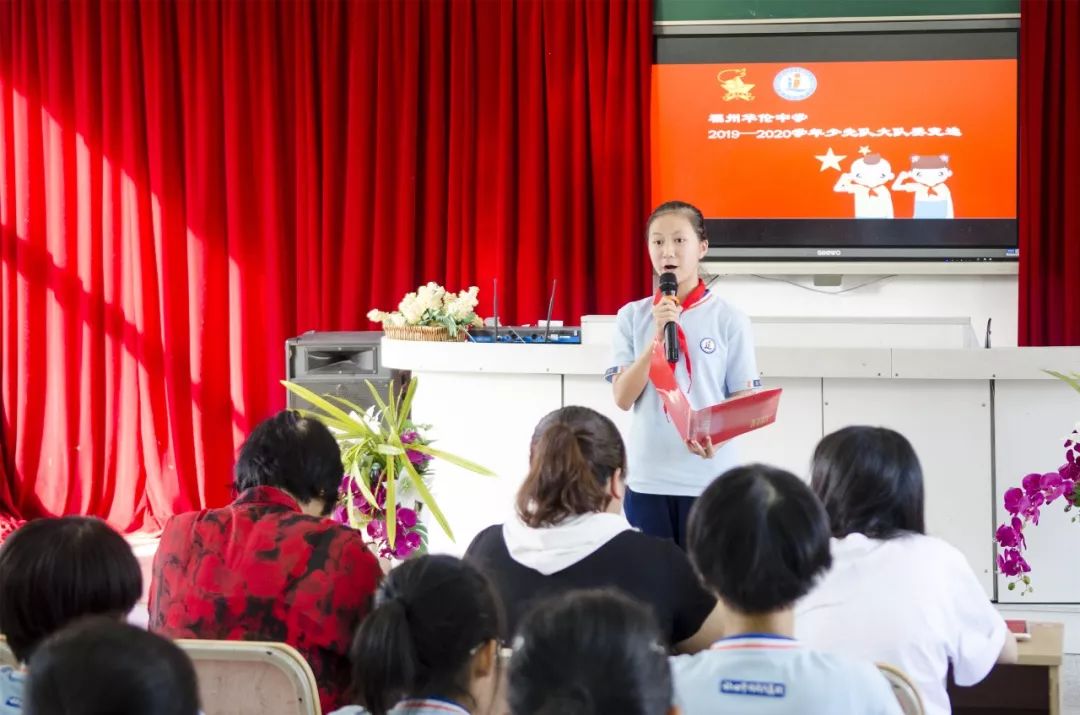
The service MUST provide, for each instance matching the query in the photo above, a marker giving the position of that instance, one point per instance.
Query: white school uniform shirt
(912, 602)
(12, 688)
(721, 349)
(773, 675)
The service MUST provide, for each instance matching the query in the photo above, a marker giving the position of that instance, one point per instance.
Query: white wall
(969, 296)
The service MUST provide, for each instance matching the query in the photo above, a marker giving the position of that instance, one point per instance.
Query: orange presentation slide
(877, 139)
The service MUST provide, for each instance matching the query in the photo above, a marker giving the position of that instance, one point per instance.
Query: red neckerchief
(934, 190)
(873, 190)
(692, 297)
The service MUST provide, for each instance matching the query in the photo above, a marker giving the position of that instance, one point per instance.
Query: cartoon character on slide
(928, 176)
(867, 180)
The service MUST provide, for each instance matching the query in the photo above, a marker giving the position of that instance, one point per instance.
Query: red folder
(720, 422)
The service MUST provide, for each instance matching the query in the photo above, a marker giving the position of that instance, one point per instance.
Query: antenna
(551, 306)
(495, 307)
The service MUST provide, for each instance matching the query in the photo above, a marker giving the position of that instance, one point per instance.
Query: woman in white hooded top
(895, 595)
(570, 533)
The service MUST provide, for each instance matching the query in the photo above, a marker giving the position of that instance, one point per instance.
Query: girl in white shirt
(893, 594)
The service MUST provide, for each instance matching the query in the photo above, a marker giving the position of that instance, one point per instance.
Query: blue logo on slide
(795, 83)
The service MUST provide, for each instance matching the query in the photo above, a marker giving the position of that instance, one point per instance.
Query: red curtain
(1049, 172)
(186, 184)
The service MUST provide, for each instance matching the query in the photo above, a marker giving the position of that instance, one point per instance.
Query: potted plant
(387, 460)
(1024, 504)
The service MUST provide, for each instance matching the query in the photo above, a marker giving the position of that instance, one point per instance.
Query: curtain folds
(1049, 173)
(184, 184)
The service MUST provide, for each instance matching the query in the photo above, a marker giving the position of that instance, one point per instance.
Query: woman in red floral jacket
(270, 566)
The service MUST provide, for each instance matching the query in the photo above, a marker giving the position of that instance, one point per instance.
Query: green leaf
(326, 406)
(389, 450)
(1072, 380)
(391, 502)
(391, 405)
(345, 430)
(362, 477)
(406, 405)
(378, 399)
(426, 497)
(453, 459)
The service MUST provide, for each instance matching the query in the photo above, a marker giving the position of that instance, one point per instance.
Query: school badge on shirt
(708, 346)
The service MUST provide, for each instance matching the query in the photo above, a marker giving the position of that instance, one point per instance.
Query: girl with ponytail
(570, 533)
(430, 646)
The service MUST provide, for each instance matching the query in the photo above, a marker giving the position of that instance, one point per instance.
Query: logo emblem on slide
(795, 83)
(731, 81)
(708, 345)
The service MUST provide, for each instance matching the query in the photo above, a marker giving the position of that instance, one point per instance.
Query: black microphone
(669, 285)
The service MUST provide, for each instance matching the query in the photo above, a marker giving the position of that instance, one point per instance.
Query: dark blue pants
(659, 514)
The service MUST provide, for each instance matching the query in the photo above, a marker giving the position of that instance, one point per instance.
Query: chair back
(252, 678)
(905, 691)
(6, 656)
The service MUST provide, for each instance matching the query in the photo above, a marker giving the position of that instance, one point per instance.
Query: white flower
(377, 316)
(411, 308)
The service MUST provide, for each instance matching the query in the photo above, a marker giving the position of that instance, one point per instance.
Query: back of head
(53, 571)
(574, 454)
(431, 615)
(870, 482)
(101, 666)
(589, 653)
(294, 453)
(759, 538)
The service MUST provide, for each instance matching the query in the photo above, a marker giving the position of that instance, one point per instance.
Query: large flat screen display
(849, 146)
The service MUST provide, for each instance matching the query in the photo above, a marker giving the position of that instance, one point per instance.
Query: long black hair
(870, 482)
(431, 615)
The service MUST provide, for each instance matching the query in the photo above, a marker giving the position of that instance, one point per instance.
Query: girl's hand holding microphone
(664, 312)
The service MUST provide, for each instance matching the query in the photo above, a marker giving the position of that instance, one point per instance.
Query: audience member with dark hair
(52, 572)
(100, 666)
(759, 538)
(589, 653)
(430, 646)
(270, 566)
(895, 595)
(571, 534)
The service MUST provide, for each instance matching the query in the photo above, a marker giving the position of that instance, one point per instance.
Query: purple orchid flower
(1032, 483)
(1015, 501)
(1011, 563)
(1007, 536)
(340, 515)
(406, 518)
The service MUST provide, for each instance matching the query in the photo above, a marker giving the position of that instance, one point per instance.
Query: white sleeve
(624, 351)
(979, 629)
(741, 373)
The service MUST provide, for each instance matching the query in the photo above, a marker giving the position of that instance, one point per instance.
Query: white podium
(979, 419)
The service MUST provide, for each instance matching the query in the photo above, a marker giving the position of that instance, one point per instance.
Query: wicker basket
(429, 333)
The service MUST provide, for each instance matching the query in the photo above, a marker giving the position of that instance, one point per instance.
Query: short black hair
(100, 665)
(759, 538)
(589, 653)
(55, 570)
(430, 616)
(294, 453)
(870, 481)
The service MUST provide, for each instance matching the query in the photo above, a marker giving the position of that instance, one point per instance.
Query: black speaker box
(339, 363)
